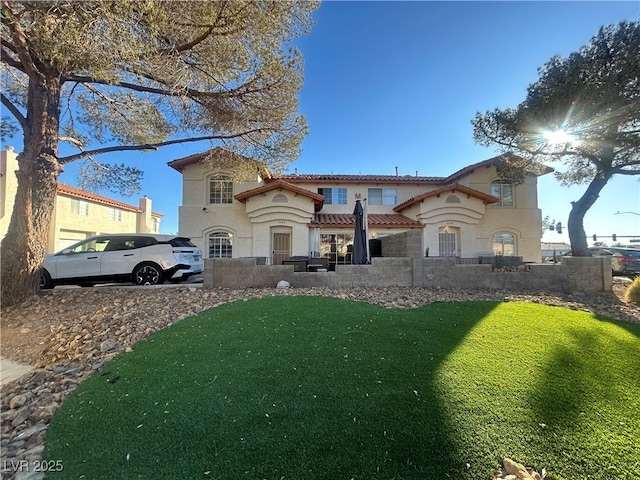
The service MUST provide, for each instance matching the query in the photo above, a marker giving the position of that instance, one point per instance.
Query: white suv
(144, 259)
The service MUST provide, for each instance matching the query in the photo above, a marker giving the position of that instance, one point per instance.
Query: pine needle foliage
(107, 76)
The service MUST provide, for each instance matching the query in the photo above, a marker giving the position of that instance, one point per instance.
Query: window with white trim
(220, 189)
(504, 243)
(382, 196)
(502, 190)
(79, 207)
(114, 214)
(220, 245)
(336, 246)
(334, 196)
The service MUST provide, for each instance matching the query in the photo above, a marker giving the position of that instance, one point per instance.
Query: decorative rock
(31, 431)
(283, 284)
(18, 401)
(22, 415)
(108, 345)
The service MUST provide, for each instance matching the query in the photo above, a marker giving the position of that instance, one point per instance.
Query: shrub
(633, 291)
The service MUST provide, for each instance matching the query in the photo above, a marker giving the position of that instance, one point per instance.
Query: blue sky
(396, 84)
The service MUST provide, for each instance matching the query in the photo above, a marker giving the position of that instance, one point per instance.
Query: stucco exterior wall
(197, 218)
(253, 220)
(68, 225)
(523, 220)
(8, 187)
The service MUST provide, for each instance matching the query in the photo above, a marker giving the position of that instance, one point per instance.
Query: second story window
(115, 214)
(334, 196)
(504, 191)
(220, 189)
(382, 196)
(79, 207)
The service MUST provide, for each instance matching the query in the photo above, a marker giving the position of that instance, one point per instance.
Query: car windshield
(93, 245)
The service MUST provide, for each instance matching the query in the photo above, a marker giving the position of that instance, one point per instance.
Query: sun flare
(558, 137)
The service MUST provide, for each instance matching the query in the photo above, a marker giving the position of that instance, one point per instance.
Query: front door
(447, 243)
(281, 243)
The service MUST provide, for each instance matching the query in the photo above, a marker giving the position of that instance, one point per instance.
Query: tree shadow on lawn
(285, 387)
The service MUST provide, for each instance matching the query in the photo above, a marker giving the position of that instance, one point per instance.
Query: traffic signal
(595, 237)
(559, 227)
(614, 237)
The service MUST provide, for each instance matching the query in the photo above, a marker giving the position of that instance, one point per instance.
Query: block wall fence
(573, 274)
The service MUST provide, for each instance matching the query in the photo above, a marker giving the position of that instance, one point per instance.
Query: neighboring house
(77, 214)
(470, 213)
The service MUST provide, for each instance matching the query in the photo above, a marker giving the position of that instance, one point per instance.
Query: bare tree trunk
(25, 244)
(575, 225)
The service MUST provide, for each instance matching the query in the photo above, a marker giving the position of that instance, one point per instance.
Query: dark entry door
(281, 247)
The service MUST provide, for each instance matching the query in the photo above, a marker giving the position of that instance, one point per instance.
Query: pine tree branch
(14, 111)
(153, 146)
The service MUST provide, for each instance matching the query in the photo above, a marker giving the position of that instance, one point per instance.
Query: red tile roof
(351, 179)
(318, 199)
(456, 187)
(180, 163)
(393, 179)
(69, 191)
(379, 220)
(299, 178)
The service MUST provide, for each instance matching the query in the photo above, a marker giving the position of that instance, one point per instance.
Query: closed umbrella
(360, 236)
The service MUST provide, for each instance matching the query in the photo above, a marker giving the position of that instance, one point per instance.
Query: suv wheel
(45, 280)
(148, 273)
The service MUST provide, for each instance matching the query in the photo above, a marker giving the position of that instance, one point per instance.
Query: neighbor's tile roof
(69, 191)
(379, 220)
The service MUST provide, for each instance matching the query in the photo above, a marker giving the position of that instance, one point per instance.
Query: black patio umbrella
(359, 237)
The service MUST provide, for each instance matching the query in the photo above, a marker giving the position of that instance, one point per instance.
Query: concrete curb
(10, 370)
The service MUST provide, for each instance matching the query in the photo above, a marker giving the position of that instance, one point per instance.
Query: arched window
(220, 189)
(502, 190)
(220, 245)
(504, 244)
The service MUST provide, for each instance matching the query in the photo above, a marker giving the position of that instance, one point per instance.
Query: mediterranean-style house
(77, 214)
(470, 213)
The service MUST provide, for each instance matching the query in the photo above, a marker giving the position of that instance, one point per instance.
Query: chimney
(396, 171)
(144, 216)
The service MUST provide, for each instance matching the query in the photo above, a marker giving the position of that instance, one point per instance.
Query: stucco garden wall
(572, 275)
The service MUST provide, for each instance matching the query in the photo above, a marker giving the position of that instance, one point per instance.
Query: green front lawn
(321, 388)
